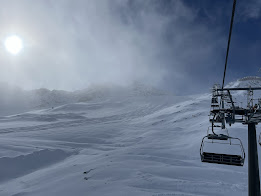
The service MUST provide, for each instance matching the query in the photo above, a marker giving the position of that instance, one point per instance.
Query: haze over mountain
(14, 99)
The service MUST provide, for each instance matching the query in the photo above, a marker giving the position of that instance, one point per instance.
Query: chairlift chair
(214, 102)
(221, 158)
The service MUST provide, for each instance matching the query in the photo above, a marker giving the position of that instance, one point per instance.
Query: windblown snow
(108, 141)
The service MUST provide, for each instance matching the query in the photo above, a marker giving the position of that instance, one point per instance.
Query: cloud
(72, 44)
(250, 9)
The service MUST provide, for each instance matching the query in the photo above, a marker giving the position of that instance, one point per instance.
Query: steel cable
(229, 38)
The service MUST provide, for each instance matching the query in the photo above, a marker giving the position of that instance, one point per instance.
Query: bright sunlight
(13, 44)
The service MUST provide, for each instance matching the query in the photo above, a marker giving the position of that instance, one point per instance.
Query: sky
(175, 45)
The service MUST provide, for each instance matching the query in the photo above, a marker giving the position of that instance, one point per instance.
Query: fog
(71, 45)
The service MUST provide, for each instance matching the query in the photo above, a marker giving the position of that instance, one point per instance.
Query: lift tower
(227, 112)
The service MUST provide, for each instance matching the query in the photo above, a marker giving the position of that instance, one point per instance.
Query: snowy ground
(139, 145)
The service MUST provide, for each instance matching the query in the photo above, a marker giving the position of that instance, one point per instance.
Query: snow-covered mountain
(240, 97)
(15, 100)
(253, 81)
(108, 141)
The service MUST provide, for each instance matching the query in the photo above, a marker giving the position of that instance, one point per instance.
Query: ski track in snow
(145, 146)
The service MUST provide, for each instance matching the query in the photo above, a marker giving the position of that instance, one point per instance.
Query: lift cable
(229, 37)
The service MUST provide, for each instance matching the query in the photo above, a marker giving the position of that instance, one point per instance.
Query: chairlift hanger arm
(233, 106)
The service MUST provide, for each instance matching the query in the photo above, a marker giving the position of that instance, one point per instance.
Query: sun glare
(13, 44)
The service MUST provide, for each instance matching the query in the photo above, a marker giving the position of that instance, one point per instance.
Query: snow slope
(15, 100)
(143, 143)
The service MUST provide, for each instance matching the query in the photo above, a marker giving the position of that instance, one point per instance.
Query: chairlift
(222, 158)
(216, 118)
(214, 102)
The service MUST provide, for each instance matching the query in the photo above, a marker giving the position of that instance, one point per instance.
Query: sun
(13, 44)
